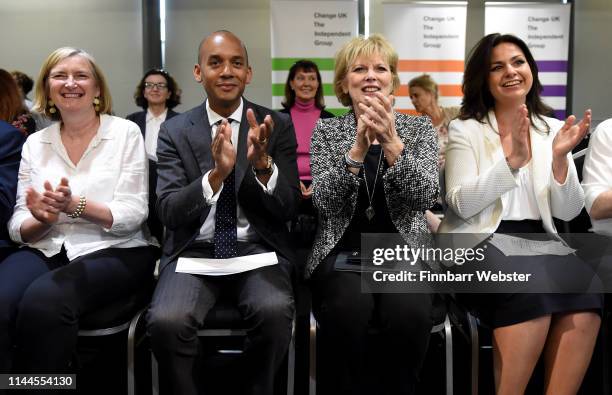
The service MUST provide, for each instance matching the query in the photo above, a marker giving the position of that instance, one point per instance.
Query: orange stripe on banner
(443, 90)
(431, 65)
(406, 111)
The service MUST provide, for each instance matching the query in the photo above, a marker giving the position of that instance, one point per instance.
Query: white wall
(189, 21)
(592, 56)
(111, 30)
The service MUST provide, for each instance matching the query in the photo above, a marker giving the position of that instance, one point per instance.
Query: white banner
(313, 30)
(429, 38)
(545, 28)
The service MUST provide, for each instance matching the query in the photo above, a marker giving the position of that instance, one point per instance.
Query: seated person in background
(373, 171)
(81, 204)
(424, 96)
(227, 185)
(11, 141)
(157, 94)
(38, 121)
(305, 104)
(509, 169)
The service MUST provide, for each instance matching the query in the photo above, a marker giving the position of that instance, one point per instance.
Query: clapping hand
(257, 141)
(40, 206)
(377, 115)
(570, 135)
(223, 152)
(520, 154)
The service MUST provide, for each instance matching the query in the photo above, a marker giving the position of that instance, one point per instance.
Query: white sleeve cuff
(209, 196)
(269, 189)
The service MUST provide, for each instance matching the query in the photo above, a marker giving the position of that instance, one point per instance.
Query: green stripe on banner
(279, 90)
(286, 63)
(337, 111)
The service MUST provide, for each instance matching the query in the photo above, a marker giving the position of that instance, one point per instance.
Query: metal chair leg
(312, 385)
(473, 325)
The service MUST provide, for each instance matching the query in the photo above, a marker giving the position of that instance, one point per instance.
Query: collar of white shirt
(151, 116)
(213, 117)
(52, 133)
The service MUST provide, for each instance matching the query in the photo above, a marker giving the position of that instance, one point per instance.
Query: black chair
(445, 318)
(120, 316)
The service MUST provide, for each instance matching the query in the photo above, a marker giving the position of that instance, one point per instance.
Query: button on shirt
(244, 230)
(152, 131)
(113, 171)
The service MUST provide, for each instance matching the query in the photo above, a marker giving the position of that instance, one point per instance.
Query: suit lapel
(199, 139)
(241, 156)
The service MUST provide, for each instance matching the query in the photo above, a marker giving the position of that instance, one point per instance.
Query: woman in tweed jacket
(374, 171)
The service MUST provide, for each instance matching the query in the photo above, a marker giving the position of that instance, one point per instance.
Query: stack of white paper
(223, 267)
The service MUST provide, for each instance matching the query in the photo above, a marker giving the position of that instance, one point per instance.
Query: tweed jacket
(477, 178)
(410, 185)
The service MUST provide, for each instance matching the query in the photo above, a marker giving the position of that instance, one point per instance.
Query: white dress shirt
(244, 230)
(113, 171)
(597, 173)
(152, 131)
(521, 201)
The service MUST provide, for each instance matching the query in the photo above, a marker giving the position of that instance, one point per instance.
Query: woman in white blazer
(510, 170)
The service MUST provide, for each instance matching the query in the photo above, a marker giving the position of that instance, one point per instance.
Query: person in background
(509, 170)
(25, 84)
(373, 171)
(81, 204)
(424, 96)
(157, 94)
(304, 102)
(11, 141)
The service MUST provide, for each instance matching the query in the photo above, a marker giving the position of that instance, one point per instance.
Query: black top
(381, 221)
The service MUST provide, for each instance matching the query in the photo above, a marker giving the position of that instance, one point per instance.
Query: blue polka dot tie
(225, 219)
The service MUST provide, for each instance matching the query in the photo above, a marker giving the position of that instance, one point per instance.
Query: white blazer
(477, 178)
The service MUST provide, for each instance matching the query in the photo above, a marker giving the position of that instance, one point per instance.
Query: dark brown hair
(306, 66)
(11, 104)
(175, 96)
(477, 97)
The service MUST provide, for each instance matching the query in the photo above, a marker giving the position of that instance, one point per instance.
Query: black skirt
(535, 299)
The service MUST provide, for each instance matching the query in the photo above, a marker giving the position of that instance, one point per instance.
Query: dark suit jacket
(184, 156)
(11, 141)
(153, 222)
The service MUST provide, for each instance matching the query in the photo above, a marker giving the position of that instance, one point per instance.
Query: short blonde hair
(426, 83)
(361, 46)
(41, 97)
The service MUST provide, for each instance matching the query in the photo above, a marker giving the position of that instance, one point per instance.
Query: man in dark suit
(227, 185)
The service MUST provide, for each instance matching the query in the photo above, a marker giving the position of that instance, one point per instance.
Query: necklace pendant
(369, 212)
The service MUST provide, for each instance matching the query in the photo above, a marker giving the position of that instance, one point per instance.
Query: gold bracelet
(79, 208)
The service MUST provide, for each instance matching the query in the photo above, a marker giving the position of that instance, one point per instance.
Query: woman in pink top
(304, 102)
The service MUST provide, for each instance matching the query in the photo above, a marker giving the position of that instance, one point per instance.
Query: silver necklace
(369, 212)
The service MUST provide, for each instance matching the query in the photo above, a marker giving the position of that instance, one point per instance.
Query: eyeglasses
(158, 85)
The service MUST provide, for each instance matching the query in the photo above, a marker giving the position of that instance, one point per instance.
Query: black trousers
(41, 300)
(181, 302)
(346, 316)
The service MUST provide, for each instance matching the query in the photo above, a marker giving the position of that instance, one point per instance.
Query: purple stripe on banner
(554, 90)
(559, 114)
(552, 65)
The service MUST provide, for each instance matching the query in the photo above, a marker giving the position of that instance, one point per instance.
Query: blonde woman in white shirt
(81, 202)
(509, 170)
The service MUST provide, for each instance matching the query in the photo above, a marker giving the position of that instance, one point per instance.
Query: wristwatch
(266, 171)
